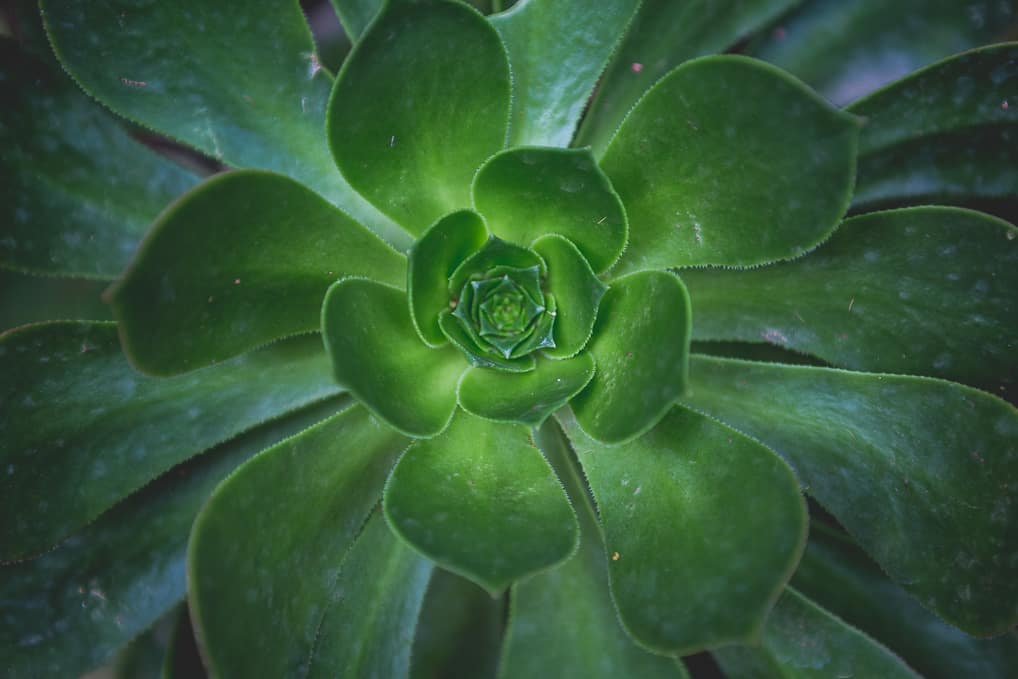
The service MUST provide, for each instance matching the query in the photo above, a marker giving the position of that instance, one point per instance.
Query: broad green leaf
(355, 15)
(526, 193)
(926, 290)
(564, 618)
(803, 641)
(577, 292)
(185, 70)
(242, 260)
(558, 49)
(848, 49)
(641, 348)
(268, 547)
(838, 576)
(430, 263)
(378, 356)
(663, 34)
(480, 500)
(707, 179)
(688, 509)
(369, 620)
(81, 429)
(922, 472)
(78, 192)
(30, 299)
(421, 101)
(527, 397)
(68, 610)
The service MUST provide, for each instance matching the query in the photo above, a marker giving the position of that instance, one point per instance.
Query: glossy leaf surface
(577, 292)
(922, 472)
(242, 260)
(558, 49)
(377, 355)
(688, 509)
(81, 429)
(269, 544)
(708, 180)
(421, 102)
(641, 348)
(925, 290)
(480, 500)
(78, 192)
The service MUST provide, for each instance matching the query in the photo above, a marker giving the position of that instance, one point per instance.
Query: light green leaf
(430, 263)
(78, 192)
(28, 298)
(267, 549)
(480, 500)
(377, 355)
(577, 292)
(185, 70)
(558, 49)
(370, 617)
(641, 348)
(708, 180)
(803, 641)
(421, 101)
(81, 429)
(922, 472)
(242, 260)
(526, 193)
(927, 290)
(527, 397)
(663, 34)
(688, 509)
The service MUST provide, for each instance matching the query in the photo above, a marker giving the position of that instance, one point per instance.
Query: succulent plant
(514, 348)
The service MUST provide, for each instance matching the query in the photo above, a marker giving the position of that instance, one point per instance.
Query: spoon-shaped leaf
(577, 292)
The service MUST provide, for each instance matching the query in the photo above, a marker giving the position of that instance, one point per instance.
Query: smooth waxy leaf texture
(663, 34)
(421, 102)
(78, 192)
(30, 299)
(268, 547)
(467, 342)
(355, 15)
(927, 290)
(68, 610)
(480, 500)
(708, 180)
(577, 292)
(377, 355)
(526, 193)
(243, 259)
(81, 429)
(564, 618)
(922, 472)
(558, 49)
(127, 53)
(641, 348)
(688, 509)
(803, 641)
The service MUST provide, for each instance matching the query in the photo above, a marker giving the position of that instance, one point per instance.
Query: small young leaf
(577, 292)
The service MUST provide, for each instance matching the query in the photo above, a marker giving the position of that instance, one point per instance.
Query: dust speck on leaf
(636, 67)
(133, 83)
(616, 556)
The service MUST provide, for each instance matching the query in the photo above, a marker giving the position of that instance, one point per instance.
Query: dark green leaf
(29, 299)
(922, 472)
(480, 500)
(558, 49)
(421, 101)
(688, 509)
(81, 429)
(142, 657)
(707, 179)
(267, 549)
(803, 641)
(242, 260)
(495, 253)
(641, 348)
(468, 342)
(78, 192)
(577, 292)
(355, 15)
(925, 290)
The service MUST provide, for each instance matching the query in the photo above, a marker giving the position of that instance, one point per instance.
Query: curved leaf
(81, 429)
(31, 299)
(577, 292)
(421, 101)
(356, 15)
(708, 180)
(641, 348)
(922, 472)
(466, 342)
(270, 553)
(243, 259)
(480, 500)
(667, 502)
